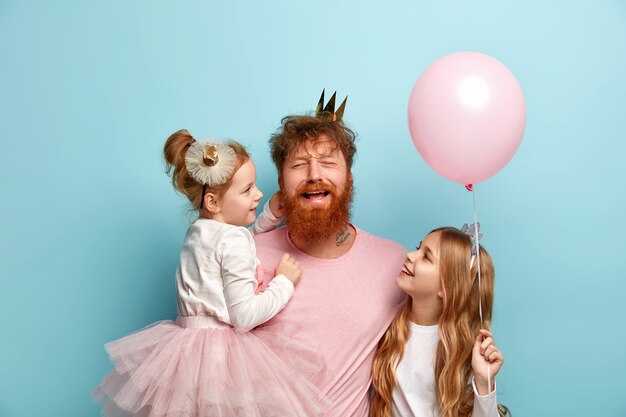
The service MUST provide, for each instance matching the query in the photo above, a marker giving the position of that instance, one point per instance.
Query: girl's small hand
(289, 267)
(485, 353)
(276, 205)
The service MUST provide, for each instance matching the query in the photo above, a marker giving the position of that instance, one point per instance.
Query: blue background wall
(90, 227)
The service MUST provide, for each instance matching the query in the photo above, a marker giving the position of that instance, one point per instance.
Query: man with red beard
(347, 295)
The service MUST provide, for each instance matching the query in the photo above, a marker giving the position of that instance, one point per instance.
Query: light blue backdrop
(90, 227)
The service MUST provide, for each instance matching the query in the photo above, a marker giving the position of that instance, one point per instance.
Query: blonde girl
(435, 356)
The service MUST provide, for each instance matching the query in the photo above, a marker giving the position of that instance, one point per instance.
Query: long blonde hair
(459, 324)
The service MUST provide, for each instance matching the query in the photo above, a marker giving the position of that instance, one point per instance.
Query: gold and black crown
(329, 110)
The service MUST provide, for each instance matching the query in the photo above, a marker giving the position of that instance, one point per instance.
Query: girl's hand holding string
(486, 357)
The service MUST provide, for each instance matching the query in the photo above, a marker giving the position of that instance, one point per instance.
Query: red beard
(317, 224)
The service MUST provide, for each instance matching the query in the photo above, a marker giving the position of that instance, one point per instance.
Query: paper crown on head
(329, 110)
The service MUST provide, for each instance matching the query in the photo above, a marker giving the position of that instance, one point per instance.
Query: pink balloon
(467, 116)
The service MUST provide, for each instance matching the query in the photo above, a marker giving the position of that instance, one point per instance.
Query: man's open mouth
(315, 195)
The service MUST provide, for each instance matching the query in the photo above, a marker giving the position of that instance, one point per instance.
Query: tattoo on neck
(342, 236)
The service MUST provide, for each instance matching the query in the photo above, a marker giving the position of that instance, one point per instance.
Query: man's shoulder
(269, 238)
(379, 243)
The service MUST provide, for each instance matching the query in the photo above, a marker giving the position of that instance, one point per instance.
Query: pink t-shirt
(341, 307)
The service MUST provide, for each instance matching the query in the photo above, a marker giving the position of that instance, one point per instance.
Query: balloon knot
(469, 187)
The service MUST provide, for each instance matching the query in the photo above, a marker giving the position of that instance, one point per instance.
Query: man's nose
(314, 171)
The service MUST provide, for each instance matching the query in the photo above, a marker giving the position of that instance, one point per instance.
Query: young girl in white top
(209, 363)
(435, 357)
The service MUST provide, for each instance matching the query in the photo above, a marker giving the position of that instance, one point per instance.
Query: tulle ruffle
(199, 367)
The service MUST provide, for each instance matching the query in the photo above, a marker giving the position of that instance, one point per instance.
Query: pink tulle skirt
(200, 367)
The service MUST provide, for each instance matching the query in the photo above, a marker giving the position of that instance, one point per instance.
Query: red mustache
(312, 188)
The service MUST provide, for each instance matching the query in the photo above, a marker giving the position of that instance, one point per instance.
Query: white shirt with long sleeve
(414, 394)
(217, 274)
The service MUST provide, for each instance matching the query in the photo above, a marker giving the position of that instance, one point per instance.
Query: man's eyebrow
(308, 156)
(301, 157)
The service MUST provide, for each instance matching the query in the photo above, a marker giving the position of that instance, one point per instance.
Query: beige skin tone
(419, 278)
(276, 206)
(318, 163)
(238, 205)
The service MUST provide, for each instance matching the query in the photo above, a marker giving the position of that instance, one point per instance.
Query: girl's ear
(211, 203)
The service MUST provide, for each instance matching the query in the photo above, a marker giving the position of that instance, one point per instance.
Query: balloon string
(480, 306)
(470, 188)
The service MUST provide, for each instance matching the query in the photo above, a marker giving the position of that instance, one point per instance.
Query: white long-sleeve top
(414, 394)
(216, 275)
